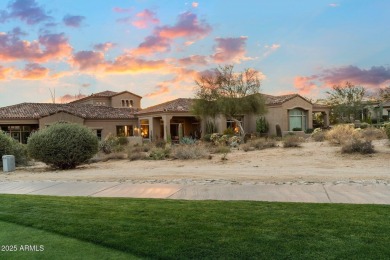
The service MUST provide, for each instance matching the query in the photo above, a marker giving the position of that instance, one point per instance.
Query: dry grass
(340, 134)
(355, 145)
(292, 141)
(185, 152)
(372, 133)
(258, 144)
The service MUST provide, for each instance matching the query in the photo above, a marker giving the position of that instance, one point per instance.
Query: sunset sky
(156, 48)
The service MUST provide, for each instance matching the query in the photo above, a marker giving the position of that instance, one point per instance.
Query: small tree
(63, 145)
(346, 101)
(222, 91)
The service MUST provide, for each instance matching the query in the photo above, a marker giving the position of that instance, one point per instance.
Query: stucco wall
(109, 126)
(116, 101)
(61, 116)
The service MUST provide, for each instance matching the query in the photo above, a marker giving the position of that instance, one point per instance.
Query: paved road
(375, 193)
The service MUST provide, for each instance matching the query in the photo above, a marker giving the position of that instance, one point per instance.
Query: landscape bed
(147, 228)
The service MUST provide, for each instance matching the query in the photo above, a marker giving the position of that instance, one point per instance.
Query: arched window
(127, 103)
(297, 119)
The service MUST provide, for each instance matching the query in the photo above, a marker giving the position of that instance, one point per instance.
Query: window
(124, 130)
(19, 132)
(297, 119)
(233, 125)
(144, 130)
(127, 103)
(100, 103)
(99, 134)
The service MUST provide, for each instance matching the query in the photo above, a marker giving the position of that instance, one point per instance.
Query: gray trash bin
(8, 163)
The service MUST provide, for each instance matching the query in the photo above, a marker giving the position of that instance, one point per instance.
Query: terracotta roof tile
(176, 105)
(86, 111)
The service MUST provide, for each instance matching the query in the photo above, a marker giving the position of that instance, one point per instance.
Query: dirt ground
(313, 162)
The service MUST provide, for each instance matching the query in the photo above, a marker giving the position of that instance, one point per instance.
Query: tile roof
(86, 111)
(106, 93)
(276, 100)
(176, 105)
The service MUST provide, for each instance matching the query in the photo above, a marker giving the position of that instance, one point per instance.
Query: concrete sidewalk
(355, 193)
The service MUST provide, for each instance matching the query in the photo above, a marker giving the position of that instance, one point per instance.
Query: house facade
(120, 113)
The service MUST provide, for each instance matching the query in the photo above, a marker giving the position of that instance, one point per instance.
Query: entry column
(167, 124)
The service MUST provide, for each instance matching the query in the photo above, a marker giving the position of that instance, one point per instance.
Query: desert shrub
(387, 129)
(364, 125)
(207, 137)
(318, 135)
(211, 127)
(9, 146)
(371, 133)
(228, 131)
(63, 145)
(138, 152)
(185, 152)
(187, 140)
(113, 144)
(340, 134)
(292, 141)
(258, 144)
(159, 153)
(160, 143)
(356, 145)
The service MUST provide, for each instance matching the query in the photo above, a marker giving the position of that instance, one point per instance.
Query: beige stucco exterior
(59, 117)
(116, 101)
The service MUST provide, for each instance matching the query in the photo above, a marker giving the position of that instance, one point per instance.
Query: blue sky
(156, 49)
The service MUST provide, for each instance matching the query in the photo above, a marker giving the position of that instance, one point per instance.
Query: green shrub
(63, 145)
(297, 129)
(113, 144)
(187, 140)
(207, 138)
(229, 131)
(355, 145)
(9, 146)
(364, 125)
(292, 141)
(387, 129)
(186, 152)
(159, 153)
(262, 125)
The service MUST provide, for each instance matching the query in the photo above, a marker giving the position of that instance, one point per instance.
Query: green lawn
(147, 228)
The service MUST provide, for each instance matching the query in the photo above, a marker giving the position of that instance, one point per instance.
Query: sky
(156, 49)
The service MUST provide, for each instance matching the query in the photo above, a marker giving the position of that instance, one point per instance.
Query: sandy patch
(313, 162)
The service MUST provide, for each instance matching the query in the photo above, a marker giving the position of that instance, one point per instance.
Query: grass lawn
(83, 227)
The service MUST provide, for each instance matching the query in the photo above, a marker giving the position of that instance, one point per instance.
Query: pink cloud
(187, 25)
(334, 5)
(145, 19)
(195, 4)
(104, 46)
(270, 49)
(152, 44)
(160, 89)
(305, 85)
(69, 98)
(33, 71)
(48, 47)
(3, 72)
(230, 50)
(129, 64)
(88, 60)
(375, 77)
(73, 20)
(193, 60)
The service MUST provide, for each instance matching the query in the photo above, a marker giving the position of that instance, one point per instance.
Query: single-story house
(120, 113)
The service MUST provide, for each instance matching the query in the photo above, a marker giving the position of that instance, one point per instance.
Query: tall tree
(346, 102)
(223, 91)
(384, 94)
